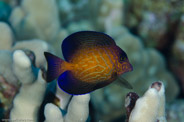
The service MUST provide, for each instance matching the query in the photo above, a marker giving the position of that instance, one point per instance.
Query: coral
(6, 66)
(7, 93)
(37, 19)
(150, 107)
(41, 25)
(148, 65)
(37, 46)
(27, 101)
(178, 49)
(109, 14)
(177, 55)
(5, 11)
(76, 107)
(25, 56)
(6, 37)
(72, 11)
(77, 110)
(155, 22)
(63, 97)
(175, 111)
(8, 81)
(1, 111)
(79, 26)
(148, 28)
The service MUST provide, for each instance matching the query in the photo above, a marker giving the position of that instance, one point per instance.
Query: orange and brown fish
(93, 60)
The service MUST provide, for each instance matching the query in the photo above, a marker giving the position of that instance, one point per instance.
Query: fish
(92, 61)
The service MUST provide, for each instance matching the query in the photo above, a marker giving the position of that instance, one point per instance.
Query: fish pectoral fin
(124, 83)
(68, 83)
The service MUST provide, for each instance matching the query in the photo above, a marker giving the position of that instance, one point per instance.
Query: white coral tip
(21, 59)
(52, 112)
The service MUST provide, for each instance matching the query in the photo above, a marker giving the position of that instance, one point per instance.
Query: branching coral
(37, 46)
(8, 85)
(6, 38)
(155, 22)
(28, 24)
(77, 111)
(76, 107)
(148, 108)
(73, 10)
(175, 111)
(178, 54)
(6, 66)
(36, 22)
(109, 14)
(27, 101)
(37, 18)
(148, 64)
(19, 63)
(31, 94)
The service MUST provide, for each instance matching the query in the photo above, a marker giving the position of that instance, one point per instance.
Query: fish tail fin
(55, 66)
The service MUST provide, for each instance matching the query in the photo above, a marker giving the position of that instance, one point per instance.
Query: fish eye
(122, 58)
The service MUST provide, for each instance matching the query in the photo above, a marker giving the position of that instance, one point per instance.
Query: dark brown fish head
(123, 62)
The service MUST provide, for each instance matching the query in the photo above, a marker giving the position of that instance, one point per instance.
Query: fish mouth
(130, 68)
(127, 67)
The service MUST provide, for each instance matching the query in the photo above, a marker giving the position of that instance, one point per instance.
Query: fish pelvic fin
(124, 83)
(55, 66)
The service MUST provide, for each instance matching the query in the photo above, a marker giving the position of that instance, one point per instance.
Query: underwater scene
(91, 61)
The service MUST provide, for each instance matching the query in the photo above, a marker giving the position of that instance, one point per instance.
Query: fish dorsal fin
(84, 39)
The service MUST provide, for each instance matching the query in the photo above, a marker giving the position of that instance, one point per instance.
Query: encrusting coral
(148, 108)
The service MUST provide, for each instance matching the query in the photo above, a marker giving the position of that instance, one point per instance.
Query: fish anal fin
(69, 84)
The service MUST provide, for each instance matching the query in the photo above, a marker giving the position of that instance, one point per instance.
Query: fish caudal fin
(55, 66)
